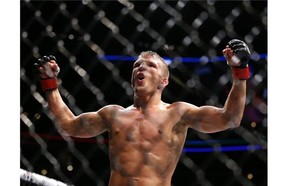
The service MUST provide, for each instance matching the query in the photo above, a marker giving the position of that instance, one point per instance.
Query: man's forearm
(59, 109)
(235, 103)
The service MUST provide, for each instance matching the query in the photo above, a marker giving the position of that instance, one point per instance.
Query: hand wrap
(48, 84)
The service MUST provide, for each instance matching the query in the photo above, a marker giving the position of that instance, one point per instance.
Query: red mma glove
(48, 71)
(237, 55)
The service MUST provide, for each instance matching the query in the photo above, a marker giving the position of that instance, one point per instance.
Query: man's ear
(165, 82)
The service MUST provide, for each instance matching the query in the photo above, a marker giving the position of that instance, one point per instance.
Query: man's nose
(142, 66)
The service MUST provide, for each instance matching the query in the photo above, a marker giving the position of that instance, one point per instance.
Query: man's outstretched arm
(212, 119)
(84, 125)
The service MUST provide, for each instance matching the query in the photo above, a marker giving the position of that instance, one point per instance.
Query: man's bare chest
(140, 127)
(143, 130)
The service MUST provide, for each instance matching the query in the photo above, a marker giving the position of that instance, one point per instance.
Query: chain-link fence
(95, 43)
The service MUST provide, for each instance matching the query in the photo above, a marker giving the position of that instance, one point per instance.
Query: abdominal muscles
(145, 152)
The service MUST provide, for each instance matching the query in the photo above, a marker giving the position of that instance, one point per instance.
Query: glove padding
(242, 53)
(48, 71)
(47, 67)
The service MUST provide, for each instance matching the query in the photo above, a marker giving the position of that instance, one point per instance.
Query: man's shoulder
(181, 106)
(111, 108)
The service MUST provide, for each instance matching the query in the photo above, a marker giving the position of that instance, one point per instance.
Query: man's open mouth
(140, 76)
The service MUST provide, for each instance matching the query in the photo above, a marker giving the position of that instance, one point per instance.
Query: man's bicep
(88, 125)
(206, 119)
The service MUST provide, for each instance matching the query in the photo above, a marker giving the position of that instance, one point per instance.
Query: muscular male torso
(145, 146)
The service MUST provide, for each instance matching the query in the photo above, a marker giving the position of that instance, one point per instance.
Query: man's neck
(146, 101)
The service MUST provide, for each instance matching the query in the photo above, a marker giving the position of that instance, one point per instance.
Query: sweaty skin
(146, 138)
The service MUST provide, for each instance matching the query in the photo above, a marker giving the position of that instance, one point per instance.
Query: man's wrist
(240, 73)
(48, 84)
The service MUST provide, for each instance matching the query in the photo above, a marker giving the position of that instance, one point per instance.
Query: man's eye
(136, 65)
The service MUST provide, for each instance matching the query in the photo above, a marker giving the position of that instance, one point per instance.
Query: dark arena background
(96, 42)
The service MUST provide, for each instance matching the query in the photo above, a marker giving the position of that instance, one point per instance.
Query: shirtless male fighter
(146, 138)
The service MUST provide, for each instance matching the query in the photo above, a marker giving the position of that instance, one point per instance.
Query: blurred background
(96, 42)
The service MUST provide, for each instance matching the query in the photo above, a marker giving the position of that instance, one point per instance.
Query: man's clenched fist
(48, 70)
(237, 56)
(47, 67)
